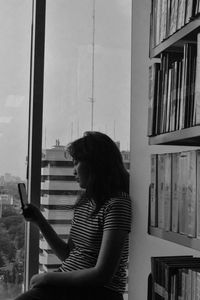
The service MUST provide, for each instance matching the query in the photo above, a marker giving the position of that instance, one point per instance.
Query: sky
(67, 76)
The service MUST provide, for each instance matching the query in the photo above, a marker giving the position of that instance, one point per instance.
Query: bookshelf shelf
(185, 137)
(175, 41)
(175, 238)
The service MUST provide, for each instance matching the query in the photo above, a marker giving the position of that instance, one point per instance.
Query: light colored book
(197, 85)
(167, 191)
(161, 176)
(175, 198)
(191, 196)
(198, 194)
(193, 285)
(198, 286)
(182, 192)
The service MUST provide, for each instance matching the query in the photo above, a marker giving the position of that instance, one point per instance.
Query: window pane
(15, 26)
(86, 86)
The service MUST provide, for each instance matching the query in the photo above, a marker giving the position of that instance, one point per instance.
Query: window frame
(35, 132)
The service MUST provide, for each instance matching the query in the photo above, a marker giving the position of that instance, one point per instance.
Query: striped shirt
(87, 231)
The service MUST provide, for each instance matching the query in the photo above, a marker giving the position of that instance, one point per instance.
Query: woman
(94, 259)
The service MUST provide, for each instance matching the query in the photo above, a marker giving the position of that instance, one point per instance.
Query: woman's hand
(39, 280)
(31, 213)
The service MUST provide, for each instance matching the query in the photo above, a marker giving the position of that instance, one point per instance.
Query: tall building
(58, 194)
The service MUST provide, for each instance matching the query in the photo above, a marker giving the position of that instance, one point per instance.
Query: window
(15, 37)
(86, 87)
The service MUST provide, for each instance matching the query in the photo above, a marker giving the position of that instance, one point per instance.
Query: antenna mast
(93, 48)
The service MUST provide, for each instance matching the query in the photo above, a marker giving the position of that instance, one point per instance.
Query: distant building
(126, 159)
(58, 194)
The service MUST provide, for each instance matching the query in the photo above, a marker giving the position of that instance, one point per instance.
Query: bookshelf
(175, 238)
(173, 119)
(185, 137)
(175, 41)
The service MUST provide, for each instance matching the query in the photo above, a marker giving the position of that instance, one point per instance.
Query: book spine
(153, 192)
(167, 192)
(182, 187)
(152, 101)
(175, 198)
(197, 84)
(191, 194)
(198, 194)
(161, 172)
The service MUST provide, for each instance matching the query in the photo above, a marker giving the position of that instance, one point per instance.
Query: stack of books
(175, 192)
(175, 277)
(174, 90)
(168, 16)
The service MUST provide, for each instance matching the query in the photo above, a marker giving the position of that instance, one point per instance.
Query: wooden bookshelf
(175, 238)
(175, 41)
(172, 86)
(185, 137)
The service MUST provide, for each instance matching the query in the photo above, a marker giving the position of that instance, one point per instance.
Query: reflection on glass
(15, 25)
(86, 86)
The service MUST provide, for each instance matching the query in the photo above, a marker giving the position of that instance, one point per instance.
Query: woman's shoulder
(119, 198)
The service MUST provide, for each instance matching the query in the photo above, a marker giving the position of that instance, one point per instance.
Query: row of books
(175, 192)
(168, 16)
(175, 278)
(174, 91)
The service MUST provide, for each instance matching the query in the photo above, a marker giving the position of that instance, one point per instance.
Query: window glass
(15, 36)
(86, 87)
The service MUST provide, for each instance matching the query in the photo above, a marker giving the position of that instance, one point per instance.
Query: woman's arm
(106, 266)
(60, 248)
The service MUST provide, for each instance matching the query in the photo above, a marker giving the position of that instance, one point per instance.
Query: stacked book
(168, 16)
(175, 192)
(174, 90)
(175, 277)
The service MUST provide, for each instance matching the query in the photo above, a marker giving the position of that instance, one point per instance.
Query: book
(198, 195)
(161, 199)
(169, 96)
(162, 270)
(153, 192)
(191, 194)
(181, 13)
(159, 274)
(173, 19)
(171, 267)
(179, 88)
(197, 85)
(174, 90)
(182, 192)
(167, 191)
(152, 101)
(188, 11)
(175, 198)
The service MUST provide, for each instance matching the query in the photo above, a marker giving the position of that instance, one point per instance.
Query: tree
(8, 250)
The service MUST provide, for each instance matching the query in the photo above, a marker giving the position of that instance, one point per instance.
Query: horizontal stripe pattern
(87, 231)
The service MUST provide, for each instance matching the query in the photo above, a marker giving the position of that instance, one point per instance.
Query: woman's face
(81, 173)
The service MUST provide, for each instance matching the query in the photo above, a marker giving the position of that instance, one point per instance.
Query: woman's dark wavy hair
(108, 175)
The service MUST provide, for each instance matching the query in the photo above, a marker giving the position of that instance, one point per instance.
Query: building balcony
(60, 185)
(58, 200)
(57, 214)
(56, 171)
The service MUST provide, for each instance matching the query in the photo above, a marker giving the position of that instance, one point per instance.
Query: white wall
(143, 246)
